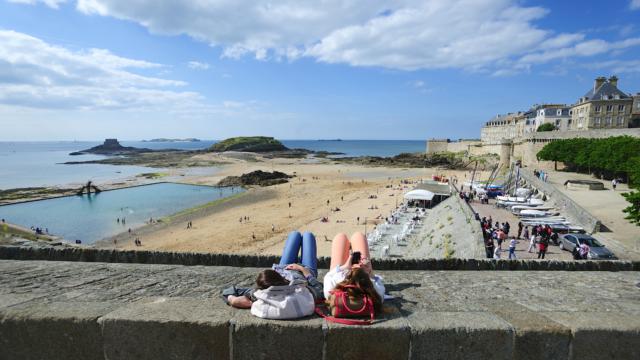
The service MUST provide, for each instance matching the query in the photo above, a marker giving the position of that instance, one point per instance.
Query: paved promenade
(63, 310)
(606, 205)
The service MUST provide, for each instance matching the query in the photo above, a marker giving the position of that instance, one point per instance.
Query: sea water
(91, 218)
(32, 164)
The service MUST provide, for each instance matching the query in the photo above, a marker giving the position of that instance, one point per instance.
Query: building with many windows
(635, 112)
(556, 114)
(603, 107)
(500, 127)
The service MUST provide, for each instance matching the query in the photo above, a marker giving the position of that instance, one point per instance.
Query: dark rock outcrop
(111, 147)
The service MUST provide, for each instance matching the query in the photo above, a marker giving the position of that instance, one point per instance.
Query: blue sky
(296, 69)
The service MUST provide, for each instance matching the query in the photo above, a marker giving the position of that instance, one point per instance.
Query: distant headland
(173, 140)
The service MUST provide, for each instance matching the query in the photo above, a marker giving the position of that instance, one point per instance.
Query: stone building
(603, 107)
(556, 114)
(635, 112)
(500, 127)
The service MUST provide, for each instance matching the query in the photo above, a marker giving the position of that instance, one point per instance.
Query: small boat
(536, 214)
(516, 209)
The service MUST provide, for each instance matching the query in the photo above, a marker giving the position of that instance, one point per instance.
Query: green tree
(546, 127)
(633, 210)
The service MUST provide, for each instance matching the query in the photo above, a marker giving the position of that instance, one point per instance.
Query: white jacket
(291, 301)
(335, 276)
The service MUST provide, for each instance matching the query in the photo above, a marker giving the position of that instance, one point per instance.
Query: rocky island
(256, 178)
(111, 147)
(173, 140)
(257, 144)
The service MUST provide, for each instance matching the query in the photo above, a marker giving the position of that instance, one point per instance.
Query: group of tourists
(497, 234)
(542, 175)
(350, 292)
(540, 235)
(494, 236)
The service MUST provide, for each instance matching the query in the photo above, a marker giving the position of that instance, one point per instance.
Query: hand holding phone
(355, 257)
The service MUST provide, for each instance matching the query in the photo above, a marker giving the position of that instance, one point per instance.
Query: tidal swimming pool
(91, 218)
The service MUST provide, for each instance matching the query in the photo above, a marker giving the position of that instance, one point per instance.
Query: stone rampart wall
(62, 310)
(208, 259)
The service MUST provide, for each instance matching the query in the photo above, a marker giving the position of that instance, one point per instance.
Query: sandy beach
(318, 188)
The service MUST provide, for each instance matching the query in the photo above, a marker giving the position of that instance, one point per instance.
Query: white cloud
(617, 66)
(197, 65)
(634, 5)
(495, 36)
(36, 74)
(54, 4)
(580, 49)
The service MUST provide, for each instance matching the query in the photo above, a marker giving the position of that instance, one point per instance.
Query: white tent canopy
(419, 194)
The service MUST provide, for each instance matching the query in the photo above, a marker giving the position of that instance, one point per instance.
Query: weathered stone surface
(115, 310)
(536, 336)
(57, 330)
(601, 334)
(208, 259)
(388, 337)
(167, 328)
(460, 335)
(254, 338)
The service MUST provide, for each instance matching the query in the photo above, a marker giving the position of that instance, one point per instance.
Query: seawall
(90, 255)
(76, 310)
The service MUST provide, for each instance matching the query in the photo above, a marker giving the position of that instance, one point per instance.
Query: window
(620, 120)
(609, 108)
(598, 108)
(557, 122)
(608, 121)
(616, 96)
(569, 122)
(559, 112)
(621, 108)
(596, 121)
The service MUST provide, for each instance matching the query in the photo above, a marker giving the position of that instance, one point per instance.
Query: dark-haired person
(342, 262)
(357, 284)
(298, 262)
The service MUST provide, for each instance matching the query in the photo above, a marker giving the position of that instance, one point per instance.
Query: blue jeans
(304, 244)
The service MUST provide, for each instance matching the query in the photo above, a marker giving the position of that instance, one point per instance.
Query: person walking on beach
(525, 233)
(496, 253)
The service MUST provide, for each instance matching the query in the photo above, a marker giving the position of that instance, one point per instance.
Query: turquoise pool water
(91, 218)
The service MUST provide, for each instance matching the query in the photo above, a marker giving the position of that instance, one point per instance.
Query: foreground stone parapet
(75, 310)
(212, 259)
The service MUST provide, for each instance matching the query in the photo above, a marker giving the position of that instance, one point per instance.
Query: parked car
(597, 251)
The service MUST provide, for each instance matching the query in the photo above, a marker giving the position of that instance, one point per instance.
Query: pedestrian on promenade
(532, 243)
(489, 246)
(542, 247)
(614, 183)
(512, 248)
(496, 253)
(525, 234)
(519, 229)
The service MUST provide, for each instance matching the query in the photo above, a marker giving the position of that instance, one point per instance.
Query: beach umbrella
(419, 194)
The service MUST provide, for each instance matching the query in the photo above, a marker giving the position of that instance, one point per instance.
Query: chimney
(613, 81)
(599, 81)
